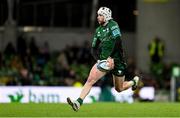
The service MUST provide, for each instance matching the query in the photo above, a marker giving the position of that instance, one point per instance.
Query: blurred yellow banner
(156, 1)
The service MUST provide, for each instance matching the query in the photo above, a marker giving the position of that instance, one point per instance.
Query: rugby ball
(103, 65)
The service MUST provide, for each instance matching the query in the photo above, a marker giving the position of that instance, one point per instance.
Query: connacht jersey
(107, 41)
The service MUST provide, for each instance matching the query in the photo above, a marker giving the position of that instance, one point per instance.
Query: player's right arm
(95, 44)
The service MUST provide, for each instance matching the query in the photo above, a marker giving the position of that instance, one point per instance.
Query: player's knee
(118, 89)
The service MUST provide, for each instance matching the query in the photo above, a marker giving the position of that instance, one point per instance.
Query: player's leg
(120, 84)
(93, 77)
(119, 78)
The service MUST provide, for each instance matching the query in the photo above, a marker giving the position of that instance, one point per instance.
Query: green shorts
(119, 68)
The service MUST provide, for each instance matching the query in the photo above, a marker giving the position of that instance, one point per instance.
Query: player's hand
(110, 62)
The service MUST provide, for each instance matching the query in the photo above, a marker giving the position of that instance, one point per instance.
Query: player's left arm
(116, 39)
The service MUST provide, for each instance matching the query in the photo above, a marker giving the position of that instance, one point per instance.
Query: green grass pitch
(99, 109)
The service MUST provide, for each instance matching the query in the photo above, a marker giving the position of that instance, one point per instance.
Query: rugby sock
(80, 101)
(134, 82)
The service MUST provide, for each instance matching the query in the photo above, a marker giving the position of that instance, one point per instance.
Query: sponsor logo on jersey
(116, 32)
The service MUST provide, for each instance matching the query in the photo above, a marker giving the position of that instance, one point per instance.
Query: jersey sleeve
(94, 49)
(94, 41)
(115, 31)
(116, 38)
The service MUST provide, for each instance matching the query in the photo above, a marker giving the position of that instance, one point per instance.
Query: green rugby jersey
(105, 39)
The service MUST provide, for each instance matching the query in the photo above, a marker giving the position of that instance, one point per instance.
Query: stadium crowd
(30, 64)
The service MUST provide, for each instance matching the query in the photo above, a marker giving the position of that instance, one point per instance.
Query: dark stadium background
(47, 43)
